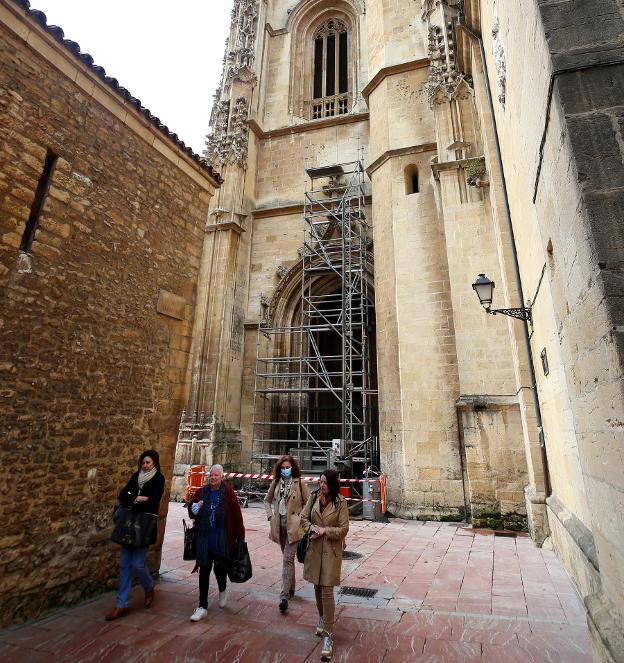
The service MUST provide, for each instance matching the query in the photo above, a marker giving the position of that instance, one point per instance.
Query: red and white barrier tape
(247, 475)
(357, 499)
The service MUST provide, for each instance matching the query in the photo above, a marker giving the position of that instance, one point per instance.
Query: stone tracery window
(324, 57)
(330, 80)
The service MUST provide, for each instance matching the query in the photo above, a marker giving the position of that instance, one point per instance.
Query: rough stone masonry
(95, 316)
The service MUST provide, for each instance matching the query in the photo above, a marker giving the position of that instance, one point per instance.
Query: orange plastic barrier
(382, 490)
(195, 480)
(345, 491)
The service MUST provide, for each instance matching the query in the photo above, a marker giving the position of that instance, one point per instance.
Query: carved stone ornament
(227, 142)
(217, 150)
(281, 271)
(330, 28)
(193, 422)
(265, 310)
(240, 62)
(444, 76)
(239, 132)
(429, 6)
(500, 60)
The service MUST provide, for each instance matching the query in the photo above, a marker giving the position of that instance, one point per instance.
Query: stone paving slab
(445, 593)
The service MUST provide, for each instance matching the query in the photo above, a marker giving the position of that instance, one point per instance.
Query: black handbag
(190, 542)
(239, 569)
(304, 541)
(302, 547)
(133, 529)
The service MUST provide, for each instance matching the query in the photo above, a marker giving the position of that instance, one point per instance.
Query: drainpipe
(525, 327)
(463, 462)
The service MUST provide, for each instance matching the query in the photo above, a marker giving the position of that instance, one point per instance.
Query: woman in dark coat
(142, 493)
(219, 524)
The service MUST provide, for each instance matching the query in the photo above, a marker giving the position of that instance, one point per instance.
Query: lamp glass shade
(484, 289)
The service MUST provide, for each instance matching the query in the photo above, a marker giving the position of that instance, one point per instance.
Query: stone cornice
(283, 210)
(275, 33)
(307, 126)
(392, 70)
(217, 227)
(455, 164)
(279, 210)
(399, 152)
(486, 401)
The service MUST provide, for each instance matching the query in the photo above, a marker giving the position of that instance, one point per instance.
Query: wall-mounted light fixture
(484, 288)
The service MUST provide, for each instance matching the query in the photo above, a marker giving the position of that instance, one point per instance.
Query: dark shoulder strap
(314, 497)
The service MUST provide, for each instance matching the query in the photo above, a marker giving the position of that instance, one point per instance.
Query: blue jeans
(132, 558)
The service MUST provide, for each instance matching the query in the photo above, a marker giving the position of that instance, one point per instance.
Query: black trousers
(220, 571)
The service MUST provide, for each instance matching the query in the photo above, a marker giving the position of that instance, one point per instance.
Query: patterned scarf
(144, 477)
(284, 492)
(211, 526)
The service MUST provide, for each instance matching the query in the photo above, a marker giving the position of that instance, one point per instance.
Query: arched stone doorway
(289, 417)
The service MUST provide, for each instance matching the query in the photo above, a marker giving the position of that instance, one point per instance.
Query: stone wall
(561, 139)
(94, 335)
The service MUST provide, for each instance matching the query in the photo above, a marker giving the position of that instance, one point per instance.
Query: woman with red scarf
(219, 525)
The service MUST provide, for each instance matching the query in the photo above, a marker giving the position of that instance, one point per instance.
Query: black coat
(153, 490)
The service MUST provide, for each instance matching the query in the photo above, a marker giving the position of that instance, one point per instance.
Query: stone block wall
(94, 336)
(564, 165)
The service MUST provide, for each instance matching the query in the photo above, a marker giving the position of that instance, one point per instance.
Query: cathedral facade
(470, 123)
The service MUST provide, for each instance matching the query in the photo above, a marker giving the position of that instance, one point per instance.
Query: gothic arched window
(330, 80)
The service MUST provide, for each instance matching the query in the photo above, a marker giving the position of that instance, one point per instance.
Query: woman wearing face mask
(142, 493)
(283, 503)
(326, 516)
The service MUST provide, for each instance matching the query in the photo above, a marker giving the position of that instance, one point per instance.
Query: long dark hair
(333, 483)
(296, 472)
(153, 454)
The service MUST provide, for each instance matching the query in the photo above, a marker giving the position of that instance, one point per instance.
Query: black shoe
(291, 593)
(283, 605)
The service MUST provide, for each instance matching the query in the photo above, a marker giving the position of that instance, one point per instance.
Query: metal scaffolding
(315, 395)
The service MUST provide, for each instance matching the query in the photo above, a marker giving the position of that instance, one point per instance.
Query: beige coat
(323, 562)
(298, 496)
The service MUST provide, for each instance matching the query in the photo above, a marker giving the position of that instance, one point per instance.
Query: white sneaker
(222, 598)
(199, 613)
(320, 627)
(327, 650)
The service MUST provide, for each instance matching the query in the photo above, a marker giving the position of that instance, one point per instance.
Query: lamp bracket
(521, 313)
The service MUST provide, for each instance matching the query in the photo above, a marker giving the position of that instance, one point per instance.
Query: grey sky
(167, 54)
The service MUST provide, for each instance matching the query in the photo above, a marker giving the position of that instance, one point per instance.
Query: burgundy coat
(233, 516)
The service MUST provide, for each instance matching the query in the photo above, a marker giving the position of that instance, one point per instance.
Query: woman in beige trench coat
(326, 516)
(286, 498)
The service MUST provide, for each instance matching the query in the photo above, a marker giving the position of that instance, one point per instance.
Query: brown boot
(116, 614)
(149, 598)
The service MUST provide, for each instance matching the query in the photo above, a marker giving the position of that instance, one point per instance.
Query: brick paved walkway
(444, 594)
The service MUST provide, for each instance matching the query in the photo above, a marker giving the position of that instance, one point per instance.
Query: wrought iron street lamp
(484, 288)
